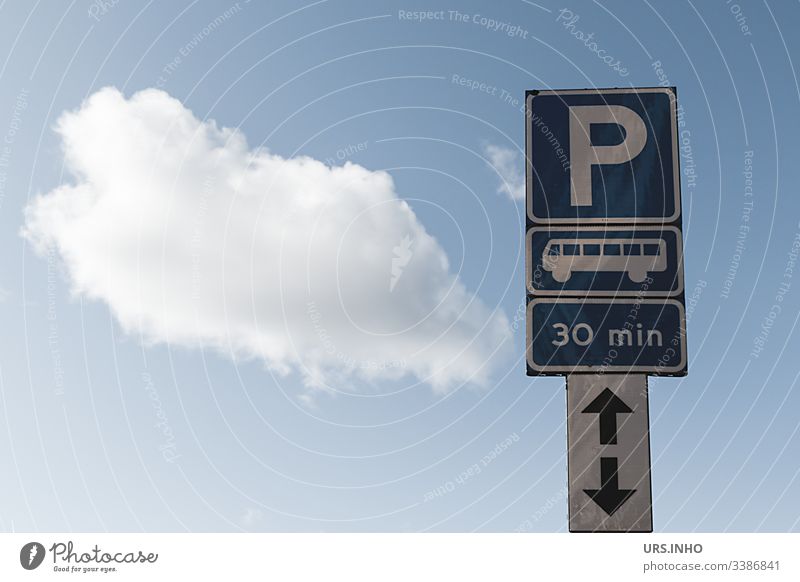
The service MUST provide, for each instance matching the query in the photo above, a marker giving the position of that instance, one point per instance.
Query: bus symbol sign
(635, 257)
(621, 262)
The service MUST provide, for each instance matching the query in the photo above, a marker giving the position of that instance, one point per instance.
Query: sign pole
(608, 451)
(604, 282)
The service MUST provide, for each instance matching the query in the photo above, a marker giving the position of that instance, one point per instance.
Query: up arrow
(609, 497)
(608, 405)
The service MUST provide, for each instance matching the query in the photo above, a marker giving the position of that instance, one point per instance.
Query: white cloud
(194, 239)
(509, 165)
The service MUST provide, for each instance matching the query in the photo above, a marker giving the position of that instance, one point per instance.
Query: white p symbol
(583, 155)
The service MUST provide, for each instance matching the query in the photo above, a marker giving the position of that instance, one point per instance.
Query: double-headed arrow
(607, 405)
(609, 497)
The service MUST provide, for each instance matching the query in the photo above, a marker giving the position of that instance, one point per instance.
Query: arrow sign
(623, 458)
(607, 405)
(609, 497)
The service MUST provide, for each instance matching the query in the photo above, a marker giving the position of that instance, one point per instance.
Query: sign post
(604, 278)
(609, 453)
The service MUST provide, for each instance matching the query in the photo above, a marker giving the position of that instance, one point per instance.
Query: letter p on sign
(583, 155)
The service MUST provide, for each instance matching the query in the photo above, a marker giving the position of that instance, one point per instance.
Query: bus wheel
(637, 276)
(561, 276)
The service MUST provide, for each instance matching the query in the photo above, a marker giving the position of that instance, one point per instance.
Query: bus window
(554, 250)
(611, 249)
(570, 250)
(651, 250)
(591, 250)
(634, 249)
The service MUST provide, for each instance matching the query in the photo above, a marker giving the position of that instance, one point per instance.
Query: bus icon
(636, 256)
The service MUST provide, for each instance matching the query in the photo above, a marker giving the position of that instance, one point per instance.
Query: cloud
(194, 239)
(509, 166)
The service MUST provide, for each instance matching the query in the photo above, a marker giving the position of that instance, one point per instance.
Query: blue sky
(114, 424)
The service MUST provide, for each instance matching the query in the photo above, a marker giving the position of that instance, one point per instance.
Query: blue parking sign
(600, 156)
(604, 249)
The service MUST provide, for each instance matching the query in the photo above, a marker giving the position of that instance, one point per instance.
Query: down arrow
(608, 405)
(609, 497)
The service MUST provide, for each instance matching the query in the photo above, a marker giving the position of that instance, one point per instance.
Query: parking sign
(604, 222)
(604, 281)
(598, 156)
